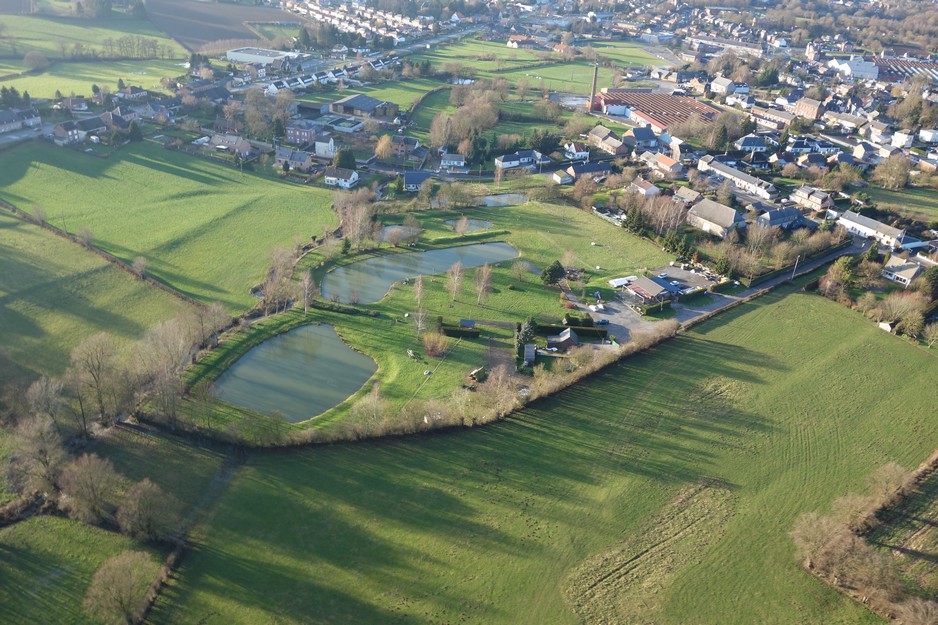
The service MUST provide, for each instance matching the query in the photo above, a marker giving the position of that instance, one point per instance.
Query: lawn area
(625, 53)
(47, 565)
(54, 293)
(919, 203)
(205, 229)
(578, 508)
(77, 78)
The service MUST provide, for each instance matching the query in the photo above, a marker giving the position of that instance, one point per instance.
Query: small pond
(474, 224)
(367, 281)
(398, 233)
(299, 374)
(504, 199)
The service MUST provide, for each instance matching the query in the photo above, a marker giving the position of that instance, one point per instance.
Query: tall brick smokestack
(590, 104)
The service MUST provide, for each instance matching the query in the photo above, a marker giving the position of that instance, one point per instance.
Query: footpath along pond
(299, 374)
(367, 281)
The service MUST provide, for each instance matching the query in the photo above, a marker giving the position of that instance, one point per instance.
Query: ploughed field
(205, 229)
(661, 490)
(194, 24)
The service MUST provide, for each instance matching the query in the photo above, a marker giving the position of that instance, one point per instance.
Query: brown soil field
(194, 24)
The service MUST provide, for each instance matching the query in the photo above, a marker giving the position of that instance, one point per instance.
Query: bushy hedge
(460, 332)
(722, 286)
(653, 308)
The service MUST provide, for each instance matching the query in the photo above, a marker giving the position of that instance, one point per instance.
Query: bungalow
(901, 270)
(340, 177)
(452, 162)
(593, 170)
(576, 151)
(295, 160)
(812, 198)
(233, 143)
(521, 158)
(870, 228)
(643, 188)
(413, 180)
(687, 195)
(714, 218)
(649, 290)
(779, 217)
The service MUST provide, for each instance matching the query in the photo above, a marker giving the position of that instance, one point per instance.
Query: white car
(662, 275)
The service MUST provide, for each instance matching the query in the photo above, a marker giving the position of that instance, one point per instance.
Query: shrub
(435, 344)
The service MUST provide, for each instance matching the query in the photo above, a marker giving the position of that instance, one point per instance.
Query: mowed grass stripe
(205, 229)
(486, 526)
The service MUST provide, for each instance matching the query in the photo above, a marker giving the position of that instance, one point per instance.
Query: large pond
(367, 281)
(298, 374)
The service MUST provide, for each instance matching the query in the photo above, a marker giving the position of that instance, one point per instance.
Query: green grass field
(919, 203)
(47, 565)
(54, 293)
(585, 499)
(56, 38)
(206, 229)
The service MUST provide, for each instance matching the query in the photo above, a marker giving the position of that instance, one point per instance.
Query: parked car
(602, 322)
(663, 275)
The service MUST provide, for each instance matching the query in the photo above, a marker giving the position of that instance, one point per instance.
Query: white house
(741, 180)
(902, 270)
(870, 228)
(340, 177)
(643, 188)
(324, 146)
(576, 151)
(452, 162)
(855, 67)
(928, 135)
(521, 158)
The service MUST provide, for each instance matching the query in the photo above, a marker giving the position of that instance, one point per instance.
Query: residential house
(324, 145)
(595, 170)
(784, 217)
(576, 151)
(901, 270)
(609, 142)
(649, 290)
(453, 163)
(928, 135)
(641, 137)
(76, 131)
(296, 160)
(714, 218)
(224, 125)
(403, 146)
(522, 42)
(302, 131)
(751, 143)
(740, 180)
(722, 86)
(521, 158)
(340, 177)
(812, 198)
(413, 180)
(233, 143)
(687, 195)
(902, 139)
(667, 167)
(563, 341)
(17, 119)
(643, 188)
(870, 228)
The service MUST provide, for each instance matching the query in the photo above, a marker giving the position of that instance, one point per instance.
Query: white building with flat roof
(258, 55)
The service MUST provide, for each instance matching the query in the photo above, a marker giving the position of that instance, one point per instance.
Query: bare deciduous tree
(930, 334)
(309, 289)
(420, 320)
(482, 281)
(45, 397)
(418, 290)
(519, 269)
(462, 226)
(85, 236)
(139, 265)
(454, 276)
(118, 587)
(94, 363)
(87, 487)
(384, 148)
(147, 513)
(38, 456)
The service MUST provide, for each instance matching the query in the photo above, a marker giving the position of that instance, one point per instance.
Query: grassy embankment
(736, 427)
(205, 229)
(919, 203)
(58, 39)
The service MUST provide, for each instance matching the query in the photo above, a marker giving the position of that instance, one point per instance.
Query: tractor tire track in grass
(620, 585)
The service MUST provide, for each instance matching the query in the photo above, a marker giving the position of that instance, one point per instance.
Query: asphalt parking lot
(686, 278)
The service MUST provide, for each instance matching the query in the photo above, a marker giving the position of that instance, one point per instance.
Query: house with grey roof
(779, 217)
(902, 270)
(870, 228)
(714, 218)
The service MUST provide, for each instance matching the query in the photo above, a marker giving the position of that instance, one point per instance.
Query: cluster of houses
(349, 73)
(91, 128)
(12, 120)
(366, 21)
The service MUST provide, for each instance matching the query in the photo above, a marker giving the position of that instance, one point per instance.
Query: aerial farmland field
(576, 508)
(206, 229)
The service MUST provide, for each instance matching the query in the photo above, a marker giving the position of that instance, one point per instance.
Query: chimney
(590, 104)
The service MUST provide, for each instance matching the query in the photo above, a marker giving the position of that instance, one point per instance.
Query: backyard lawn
(919, 203)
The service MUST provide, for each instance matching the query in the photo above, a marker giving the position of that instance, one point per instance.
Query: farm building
(658, 111)
(361, 105)
(714, 218)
